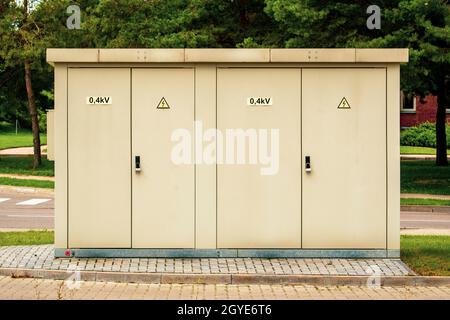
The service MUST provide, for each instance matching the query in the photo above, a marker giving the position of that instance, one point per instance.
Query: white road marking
(32, 202)
(25, 190)
(27, 216)
(4, 199)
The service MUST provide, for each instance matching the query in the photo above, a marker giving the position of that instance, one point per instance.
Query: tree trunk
(243, 14)
(441, 139)
(33, 115)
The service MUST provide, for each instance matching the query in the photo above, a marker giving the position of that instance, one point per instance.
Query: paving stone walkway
(21, 151)
(41, 257)
(26, 177)
(43, 289)
(425, 196)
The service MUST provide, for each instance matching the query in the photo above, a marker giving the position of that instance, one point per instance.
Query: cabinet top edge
(219, 55)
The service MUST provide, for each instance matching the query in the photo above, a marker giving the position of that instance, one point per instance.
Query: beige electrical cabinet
(255, 210)
(50, 135)
(163, 192)
(227, 152)
(98, 150)
(345, 192)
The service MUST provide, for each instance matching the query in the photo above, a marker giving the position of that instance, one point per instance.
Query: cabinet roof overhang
(348, 55)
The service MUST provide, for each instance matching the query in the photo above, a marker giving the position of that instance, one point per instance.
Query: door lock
(137, 163)
(307, 163)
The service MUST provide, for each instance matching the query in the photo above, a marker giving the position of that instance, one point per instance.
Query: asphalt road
(425, 220)
(38, 213)
(26, 210)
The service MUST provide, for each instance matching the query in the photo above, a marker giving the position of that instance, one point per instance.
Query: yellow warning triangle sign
(344, 104)
(163, 104)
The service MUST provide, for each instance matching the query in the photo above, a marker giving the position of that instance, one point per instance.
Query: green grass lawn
(9, 139)
(26, 238)
(417, 150)
(424, 202)
(23, 165)
(424, 177)
(6, 181)
(427, 255)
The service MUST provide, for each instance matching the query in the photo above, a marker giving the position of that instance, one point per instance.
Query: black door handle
(307, 163)
(137, 163)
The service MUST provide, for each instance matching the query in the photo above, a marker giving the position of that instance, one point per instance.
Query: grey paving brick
(41, 257)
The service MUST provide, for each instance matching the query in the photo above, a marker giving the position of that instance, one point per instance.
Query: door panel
(255, 210)
(344, 202)
(99, 184)
(163, 192)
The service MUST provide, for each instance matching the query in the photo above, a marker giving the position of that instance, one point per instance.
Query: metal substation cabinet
(226, 152)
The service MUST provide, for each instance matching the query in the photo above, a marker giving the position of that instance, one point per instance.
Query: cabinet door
(344, 134)
(163, 190)
(258, 210)
(99, 182)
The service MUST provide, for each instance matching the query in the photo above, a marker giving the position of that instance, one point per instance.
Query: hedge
(423, 135)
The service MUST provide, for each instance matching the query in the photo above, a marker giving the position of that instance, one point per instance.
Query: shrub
(423, 135)
(42, 121)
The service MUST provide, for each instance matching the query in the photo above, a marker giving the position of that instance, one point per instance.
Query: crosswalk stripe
(4, 199)
(32, 202)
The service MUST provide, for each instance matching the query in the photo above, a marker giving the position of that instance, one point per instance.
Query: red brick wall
(425, 111)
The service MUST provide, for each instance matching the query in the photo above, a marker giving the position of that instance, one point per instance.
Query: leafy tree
(150, 24)
(19, 35)
(319, 23)
(114, 23)
(423, 26)
(27, 28)
(176, 23)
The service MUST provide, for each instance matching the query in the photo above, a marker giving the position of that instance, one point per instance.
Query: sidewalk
(26, 190)
(22, 176)
(419, 157)
(44, 289)
(38, 262)
(41, 257)
(424, 196)
(425, 232)
(22, 151)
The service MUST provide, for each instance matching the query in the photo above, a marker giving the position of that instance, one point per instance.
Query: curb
(419, 157)
(424, 232)
(415, 208)
(415, 157)
(246, 279)
(424, 196)
(25, 190)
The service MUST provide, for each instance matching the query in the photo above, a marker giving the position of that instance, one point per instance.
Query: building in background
(414, 112)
